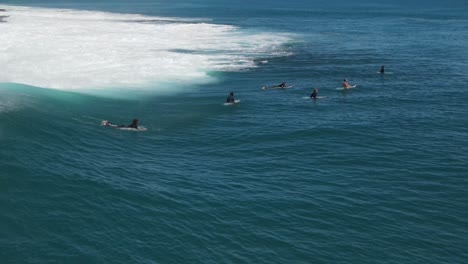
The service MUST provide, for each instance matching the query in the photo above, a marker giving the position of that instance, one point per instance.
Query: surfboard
(342, 89)
(274, 88)
(318, 97)
(107, 123)
(235, 102)
(140, 128)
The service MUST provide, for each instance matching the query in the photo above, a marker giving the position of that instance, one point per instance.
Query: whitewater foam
(72, 49)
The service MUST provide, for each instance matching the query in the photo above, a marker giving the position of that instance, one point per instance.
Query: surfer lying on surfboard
(281, 85)
(134, 124)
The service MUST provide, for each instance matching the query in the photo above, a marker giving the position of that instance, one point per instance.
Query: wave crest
(71, 49)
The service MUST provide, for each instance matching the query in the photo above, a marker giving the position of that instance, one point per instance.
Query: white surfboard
(273, 87)
(235, 102)
(140, 128)
(342, 88)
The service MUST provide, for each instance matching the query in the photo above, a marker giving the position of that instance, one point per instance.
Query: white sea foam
(71, 49)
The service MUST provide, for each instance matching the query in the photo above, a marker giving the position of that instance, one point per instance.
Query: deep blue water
(376, 174)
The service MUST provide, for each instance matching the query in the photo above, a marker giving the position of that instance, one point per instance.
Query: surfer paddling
(134, 124)
(281, 85)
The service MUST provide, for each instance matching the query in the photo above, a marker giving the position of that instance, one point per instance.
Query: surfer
(346, 84)
(230, 99)
(134, 124)
(314, 94)
(281, 85)
(382, 69)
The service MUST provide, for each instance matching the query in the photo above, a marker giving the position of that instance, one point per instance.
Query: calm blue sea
(375, 174)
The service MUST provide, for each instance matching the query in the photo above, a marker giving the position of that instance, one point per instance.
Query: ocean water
(375, 174)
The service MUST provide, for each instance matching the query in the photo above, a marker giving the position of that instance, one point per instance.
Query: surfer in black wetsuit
(281, 85)
(230, 99)
(382, 69)
(134, 123)
(314, 94)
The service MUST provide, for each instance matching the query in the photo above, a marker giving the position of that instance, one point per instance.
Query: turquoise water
(376, 174)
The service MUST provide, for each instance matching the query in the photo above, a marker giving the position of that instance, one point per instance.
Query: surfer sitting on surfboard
(314, 94)
(134, 124)
(346, 84)
(230, 99)
(382, 69)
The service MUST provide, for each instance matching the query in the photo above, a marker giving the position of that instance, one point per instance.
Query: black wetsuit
(382, 70)
(230, 99)
(314, 95)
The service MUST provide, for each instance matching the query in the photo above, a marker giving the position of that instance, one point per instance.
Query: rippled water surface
(375, 174)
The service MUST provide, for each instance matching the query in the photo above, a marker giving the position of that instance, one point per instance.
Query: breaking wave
(72, 49)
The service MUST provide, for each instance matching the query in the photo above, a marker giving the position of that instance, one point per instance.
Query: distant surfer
(281, 85)
(134, 124)
(382, 69)
(230, 99)
(346, 84)
(314, 94)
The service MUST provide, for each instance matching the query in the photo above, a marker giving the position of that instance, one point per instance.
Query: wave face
(70, 49)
